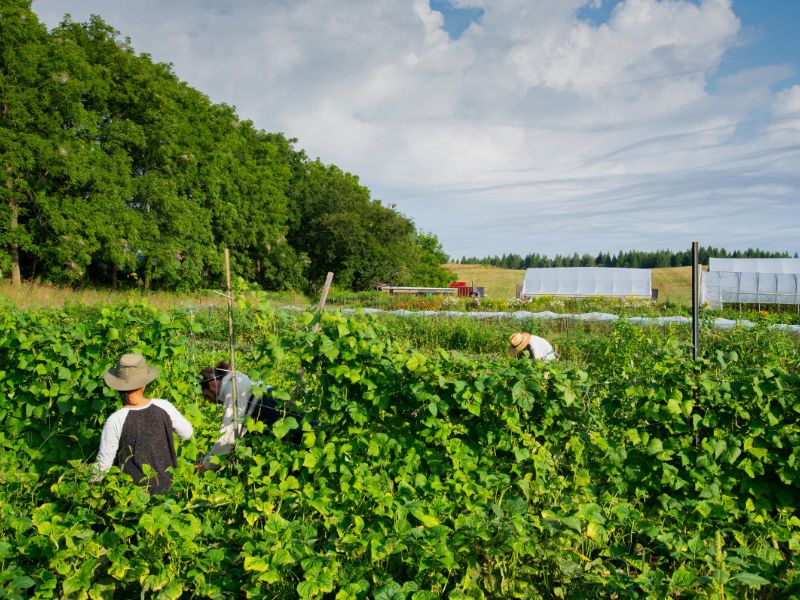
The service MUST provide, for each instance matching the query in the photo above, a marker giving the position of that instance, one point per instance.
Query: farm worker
(140, 433)
(217, 386)
(539, 348)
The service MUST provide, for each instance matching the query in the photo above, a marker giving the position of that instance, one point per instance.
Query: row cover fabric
(587, 281)
(549, 315)
(721, 287)
(755, 265)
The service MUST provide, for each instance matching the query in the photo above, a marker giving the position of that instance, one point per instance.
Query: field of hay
(674, 284)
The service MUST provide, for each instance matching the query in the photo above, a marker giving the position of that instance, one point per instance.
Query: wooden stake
(324, 297)
(234, 388)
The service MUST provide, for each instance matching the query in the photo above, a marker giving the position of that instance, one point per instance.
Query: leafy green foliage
(341, 229)
(432, 474)
(636, 259)
(115, 172)
(428, 270)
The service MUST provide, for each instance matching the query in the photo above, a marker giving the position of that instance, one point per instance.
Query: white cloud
(644, 43)
(533, 127)
(787, 102)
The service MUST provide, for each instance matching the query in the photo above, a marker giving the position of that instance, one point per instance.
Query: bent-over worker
(217, 386)
(539, 348)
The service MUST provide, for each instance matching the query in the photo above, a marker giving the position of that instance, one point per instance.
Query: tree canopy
(115, 171)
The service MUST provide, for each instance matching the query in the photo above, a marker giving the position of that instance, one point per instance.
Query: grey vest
(146, 439)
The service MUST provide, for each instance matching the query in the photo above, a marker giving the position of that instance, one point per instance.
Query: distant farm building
(456, 288)
(751, 281)
(577, 282)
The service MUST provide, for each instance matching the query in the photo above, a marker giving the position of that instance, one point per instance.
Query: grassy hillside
(673, 284)
(497, 283)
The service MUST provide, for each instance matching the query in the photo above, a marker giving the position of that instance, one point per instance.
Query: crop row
(627, 470)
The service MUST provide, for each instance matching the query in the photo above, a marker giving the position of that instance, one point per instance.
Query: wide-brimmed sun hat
(131, 373)
(519, 341)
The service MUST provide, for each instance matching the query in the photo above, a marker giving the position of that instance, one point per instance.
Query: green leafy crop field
(626, 470)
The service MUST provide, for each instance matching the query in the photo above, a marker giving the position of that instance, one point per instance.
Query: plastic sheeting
(549, 315)
(587, 281)
(755, 265)
(723, 287)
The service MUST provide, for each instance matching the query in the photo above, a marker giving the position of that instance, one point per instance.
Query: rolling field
(673, 283)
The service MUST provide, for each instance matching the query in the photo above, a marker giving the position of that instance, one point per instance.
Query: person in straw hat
(539, 348)
(140, 433)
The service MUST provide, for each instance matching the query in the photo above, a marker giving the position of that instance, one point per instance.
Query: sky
(546, 126)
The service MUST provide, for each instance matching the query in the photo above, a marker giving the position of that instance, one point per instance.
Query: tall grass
(41, 295)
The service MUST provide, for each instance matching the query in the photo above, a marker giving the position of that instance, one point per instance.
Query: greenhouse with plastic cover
(587, 281)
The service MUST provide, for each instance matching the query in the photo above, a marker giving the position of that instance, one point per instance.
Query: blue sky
(770, 35)
(549, 126)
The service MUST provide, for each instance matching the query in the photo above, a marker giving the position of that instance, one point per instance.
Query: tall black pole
(695, 301)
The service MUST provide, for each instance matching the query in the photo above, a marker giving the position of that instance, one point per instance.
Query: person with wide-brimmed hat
(140, 433)
(538, 348)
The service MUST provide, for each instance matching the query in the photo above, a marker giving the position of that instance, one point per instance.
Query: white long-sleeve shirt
(112, 431)
(541, 349)
(224, 443)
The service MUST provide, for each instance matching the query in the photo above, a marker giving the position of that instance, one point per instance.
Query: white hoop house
(587, 281)
(755, 265)
(726, 287)
(751, 281)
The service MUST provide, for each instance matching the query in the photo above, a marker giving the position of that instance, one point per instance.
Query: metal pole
(695, 302)
(234, 387)
(758, 291)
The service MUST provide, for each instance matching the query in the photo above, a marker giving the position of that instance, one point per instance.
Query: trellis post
(234, 387)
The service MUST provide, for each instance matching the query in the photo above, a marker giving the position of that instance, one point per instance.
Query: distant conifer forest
(636, 259)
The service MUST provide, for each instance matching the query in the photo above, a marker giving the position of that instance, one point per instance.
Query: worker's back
(538, 347)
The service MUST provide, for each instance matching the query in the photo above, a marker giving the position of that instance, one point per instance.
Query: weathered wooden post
(234, 387)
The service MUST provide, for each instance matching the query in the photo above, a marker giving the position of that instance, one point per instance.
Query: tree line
(115, 172)
(636, 259)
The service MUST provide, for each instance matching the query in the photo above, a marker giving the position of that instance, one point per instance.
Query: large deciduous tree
(340, 228)
(113, 170)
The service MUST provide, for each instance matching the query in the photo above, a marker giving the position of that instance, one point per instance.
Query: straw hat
(519, 341)
(131, 373)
